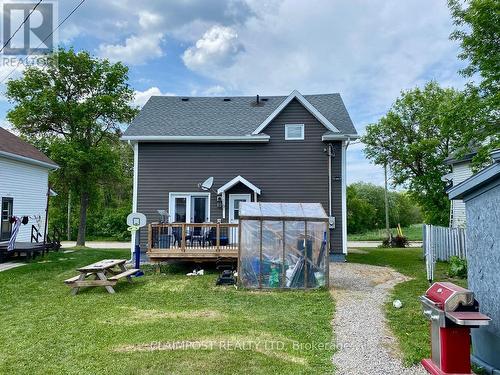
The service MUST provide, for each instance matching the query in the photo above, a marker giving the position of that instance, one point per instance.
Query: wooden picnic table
(105, 273)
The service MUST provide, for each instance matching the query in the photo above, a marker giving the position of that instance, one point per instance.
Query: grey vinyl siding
(285, 171)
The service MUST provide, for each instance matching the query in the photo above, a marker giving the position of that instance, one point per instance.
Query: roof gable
(13, 147)
(307, 105)
(236, 180)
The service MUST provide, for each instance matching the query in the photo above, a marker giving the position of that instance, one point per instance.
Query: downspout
(329, 179)
(135, 146)
(331, 154)
(330, 209)
(344, 195)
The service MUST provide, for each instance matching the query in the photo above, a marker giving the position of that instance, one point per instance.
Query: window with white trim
(294, 132)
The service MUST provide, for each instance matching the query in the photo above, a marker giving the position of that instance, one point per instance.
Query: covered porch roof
(236, 180)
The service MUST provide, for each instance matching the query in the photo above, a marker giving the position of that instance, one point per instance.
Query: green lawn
(413, 233)
(44, 330)
(407, 323)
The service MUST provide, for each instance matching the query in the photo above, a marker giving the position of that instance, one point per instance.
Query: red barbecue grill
(453, 311)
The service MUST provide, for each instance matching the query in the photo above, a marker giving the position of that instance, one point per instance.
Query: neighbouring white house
(460, 171)
(24, 185)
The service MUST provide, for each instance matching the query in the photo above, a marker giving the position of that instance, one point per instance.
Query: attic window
(227, 99)
(294, 132)
(185, 99)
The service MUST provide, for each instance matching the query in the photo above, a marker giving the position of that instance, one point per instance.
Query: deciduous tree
(75, 105)
(422, 128)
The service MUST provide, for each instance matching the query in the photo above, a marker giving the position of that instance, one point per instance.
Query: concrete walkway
(99, 244)
(365, 345)
(10, 265)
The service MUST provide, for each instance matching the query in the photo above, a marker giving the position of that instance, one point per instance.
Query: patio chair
(197, 236)
(177, 234)
(211, 238)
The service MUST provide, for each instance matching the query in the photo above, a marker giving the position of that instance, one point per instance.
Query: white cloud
(137, 49)
(217, 47)
(141, 97)
(215, 90)
(148, 20)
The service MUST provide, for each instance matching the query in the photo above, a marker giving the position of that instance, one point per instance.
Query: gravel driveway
(364, 343)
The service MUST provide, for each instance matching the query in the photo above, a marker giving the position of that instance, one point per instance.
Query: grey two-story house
(268, 148)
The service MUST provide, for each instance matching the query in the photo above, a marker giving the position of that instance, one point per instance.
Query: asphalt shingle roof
(212, 116)
(12, 144)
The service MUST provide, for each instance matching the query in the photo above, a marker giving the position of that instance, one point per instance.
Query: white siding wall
(27, 184)
(461, 172)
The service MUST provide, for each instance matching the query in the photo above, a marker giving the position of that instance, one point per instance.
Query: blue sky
(366, 50)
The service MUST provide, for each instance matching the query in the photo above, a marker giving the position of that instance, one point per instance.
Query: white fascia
(25, 159)
(236, 180)
(339, 137)
(195, 139)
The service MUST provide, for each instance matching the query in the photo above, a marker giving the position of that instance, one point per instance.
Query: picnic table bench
(105, 273)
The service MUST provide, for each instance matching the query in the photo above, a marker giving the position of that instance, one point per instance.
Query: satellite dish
(207, 184)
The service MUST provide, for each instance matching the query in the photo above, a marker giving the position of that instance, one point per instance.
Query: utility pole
(68, 230)
(386, 203)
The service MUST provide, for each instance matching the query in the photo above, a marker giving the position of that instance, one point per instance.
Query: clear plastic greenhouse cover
(283, 245)
(282, 210)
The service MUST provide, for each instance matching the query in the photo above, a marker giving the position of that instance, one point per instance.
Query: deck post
(283, 271)
(150, 237)
(305, 255)
(217, 237)
(260, 256)
(183, 240)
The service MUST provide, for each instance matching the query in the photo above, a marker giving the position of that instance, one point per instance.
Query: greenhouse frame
(283, 245)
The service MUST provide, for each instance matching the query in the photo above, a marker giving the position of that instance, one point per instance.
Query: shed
(283, 245)
(481, 194)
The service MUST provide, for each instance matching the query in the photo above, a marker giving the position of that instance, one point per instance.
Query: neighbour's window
(294, 132)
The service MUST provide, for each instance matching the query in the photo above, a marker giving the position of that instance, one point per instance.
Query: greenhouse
(283, 245)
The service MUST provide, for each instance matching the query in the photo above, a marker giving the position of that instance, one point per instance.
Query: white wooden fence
(444, 242)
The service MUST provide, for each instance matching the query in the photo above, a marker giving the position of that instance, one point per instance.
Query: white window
(294, 132)
(189, 207)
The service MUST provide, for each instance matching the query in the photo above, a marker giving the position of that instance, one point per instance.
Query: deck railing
(197, 237)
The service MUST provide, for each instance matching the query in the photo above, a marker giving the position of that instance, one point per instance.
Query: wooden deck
(192, 241)
(204, 255)
(30, 250)
(25, 249)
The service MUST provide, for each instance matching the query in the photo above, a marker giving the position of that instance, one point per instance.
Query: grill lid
(449, 297)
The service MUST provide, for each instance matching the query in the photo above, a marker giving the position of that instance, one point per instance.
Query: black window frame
(11, 200)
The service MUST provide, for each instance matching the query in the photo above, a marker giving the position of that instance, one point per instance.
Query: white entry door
(234, 212)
